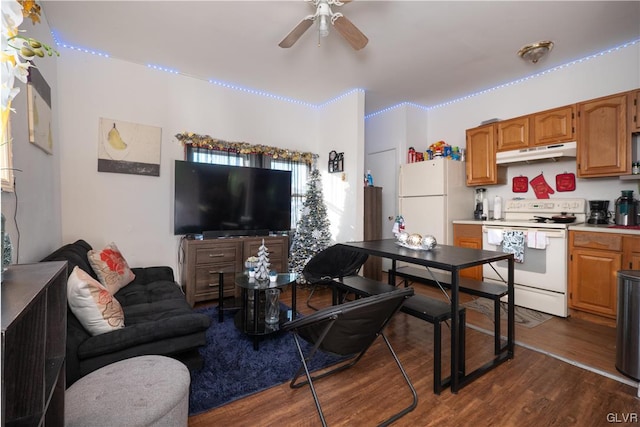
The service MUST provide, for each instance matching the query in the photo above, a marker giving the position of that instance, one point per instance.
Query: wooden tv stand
(204, 259)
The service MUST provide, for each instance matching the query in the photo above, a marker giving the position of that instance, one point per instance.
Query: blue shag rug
(233, 369)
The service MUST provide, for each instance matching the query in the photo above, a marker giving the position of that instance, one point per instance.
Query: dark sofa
(157, 317)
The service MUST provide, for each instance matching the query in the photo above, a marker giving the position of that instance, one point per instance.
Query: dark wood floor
(533, 389)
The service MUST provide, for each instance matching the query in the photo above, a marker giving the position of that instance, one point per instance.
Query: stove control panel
(546, 205)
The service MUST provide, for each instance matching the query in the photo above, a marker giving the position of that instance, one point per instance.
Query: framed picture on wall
(132, 148)
(39, 111)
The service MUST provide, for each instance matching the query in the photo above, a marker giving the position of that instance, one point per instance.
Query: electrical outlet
(344, 176)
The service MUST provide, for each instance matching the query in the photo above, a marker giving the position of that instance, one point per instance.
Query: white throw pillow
(94, 306)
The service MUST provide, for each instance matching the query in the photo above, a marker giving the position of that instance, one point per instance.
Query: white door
(383, 166)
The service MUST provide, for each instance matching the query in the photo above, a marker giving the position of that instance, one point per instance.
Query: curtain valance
(207, 142)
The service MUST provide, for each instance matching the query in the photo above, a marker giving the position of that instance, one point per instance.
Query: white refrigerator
(432, 194)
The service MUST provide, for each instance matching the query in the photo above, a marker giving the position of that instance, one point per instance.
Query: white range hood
(535, 154)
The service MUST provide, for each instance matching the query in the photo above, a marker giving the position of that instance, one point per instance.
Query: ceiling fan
(324, 15)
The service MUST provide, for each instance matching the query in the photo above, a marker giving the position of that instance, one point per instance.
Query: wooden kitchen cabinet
(554, 126)
(481, 157)
(204, 259)
(469, 236)
(634, 111)
(513, 134)
(631, 253)
(594, 261)
(604, 142)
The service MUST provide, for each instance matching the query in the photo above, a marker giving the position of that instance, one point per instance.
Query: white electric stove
(540, 249)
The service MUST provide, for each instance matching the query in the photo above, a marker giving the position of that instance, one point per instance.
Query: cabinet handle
(216, 255)
(213, 285)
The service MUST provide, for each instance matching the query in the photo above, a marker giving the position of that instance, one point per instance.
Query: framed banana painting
(130, 148)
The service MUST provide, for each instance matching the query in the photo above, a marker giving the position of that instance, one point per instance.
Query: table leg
(456, 349)
(294, 298)
(511, 309)
(220, 297)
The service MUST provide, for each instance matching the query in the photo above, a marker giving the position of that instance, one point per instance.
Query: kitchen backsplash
(588, 188)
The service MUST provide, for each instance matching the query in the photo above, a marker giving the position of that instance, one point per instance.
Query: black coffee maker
(599, 212)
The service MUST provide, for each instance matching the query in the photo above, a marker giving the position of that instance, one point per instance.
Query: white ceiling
(424, 52)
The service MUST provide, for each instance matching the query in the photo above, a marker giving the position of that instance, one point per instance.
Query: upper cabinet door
(604, 142)
(554, 126)
(513, 134)
(481, 155)
(634, 111)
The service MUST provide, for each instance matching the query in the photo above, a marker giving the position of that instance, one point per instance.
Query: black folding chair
(331, 263)
(348, 330)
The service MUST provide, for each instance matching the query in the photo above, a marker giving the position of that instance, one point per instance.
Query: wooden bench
(492, 291)
(429, 309)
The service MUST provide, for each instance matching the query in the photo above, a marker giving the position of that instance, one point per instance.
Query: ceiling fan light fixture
(323, 26)
(534, 51)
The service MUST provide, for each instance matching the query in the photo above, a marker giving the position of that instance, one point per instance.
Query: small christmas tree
(262, 268)
(312, 231)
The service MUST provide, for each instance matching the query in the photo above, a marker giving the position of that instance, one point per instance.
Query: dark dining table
(452, 259)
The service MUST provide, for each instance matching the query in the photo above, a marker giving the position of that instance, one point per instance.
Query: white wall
(33, 211)
(136, 212)
(610, 73)
(341, 128)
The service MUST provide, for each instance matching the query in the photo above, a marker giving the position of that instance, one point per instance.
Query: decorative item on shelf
(251, 263)
(440, 149)
(369, 179)
(272, 306)
(411, 155)
(336, 162)
(273, 276)
(262, 266)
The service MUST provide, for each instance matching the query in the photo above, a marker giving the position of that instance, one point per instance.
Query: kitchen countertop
(468, 221)
(604, 228)
(600, 228)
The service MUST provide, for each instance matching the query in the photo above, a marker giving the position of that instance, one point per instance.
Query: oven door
(540, 281)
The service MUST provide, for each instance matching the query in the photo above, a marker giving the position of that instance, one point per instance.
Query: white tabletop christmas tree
(262, 268)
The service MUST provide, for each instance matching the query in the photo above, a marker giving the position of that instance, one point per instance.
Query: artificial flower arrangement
(18, 50)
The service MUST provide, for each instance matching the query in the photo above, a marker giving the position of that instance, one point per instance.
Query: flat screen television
(219, 200)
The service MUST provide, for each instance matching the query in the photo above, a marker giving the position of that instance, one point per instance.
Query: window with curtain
(299, 169)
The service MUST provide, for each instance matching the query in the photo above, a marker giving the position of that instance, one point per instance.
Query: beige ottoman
(141, 391)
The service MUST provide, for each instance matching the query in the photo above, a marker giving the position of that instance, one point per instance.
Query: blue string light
(512, 83)
(60, 44)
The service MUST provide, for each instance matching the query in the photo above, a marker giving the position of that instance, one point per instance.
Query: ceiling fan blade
(295, 34)
(354, 36)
